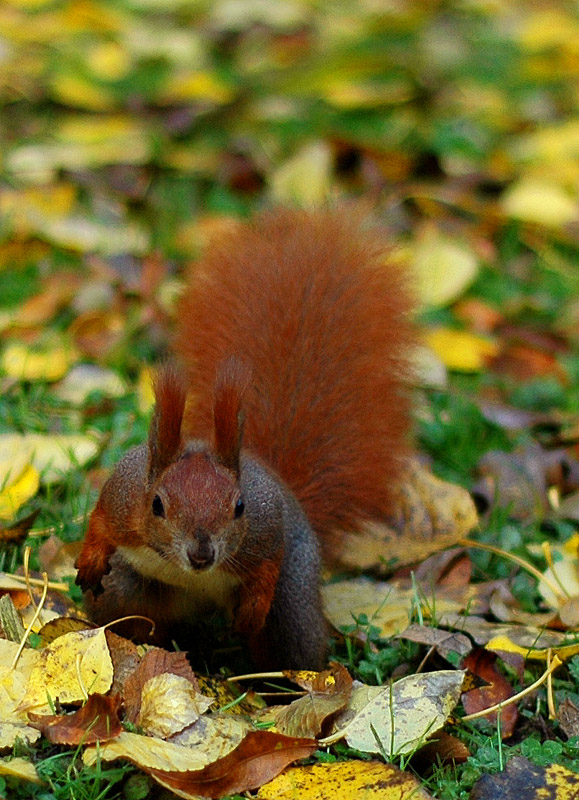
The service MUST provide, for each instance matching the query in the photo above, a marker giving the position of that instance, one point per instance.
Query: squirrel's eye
(158, 507)
(239, 508)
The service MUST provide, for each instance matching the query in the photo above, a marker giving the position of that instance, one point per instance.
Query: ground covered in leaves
(132, 132)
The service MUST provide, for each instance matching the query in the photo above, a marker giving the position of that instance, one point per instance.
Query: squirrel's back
(312, 307)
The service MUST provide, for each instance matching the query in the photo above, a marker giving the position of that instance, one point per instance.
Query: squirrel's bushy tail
(310, 304)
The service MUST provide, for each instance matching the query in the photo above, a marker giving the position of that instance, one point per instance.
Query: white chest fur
(190, 594)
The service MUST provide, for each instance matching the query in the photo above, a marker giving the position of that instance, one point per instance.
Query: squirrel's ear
(165, 431)
(230, 385)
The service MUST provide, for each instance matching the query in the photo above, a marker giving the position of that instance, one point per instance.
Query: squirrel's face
(194, 514)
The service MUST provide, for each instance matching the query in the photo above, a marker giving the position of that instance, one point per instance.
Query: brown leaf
(483, 664)
(96, 333)
(515, 481)
(155, 662)
(125, 657)
(18, 531)
(478, 314)
(327, 693)
(258, 759)
(442, 748)
(445, 642)
(57, 557)
(568, 715)
(98, 720)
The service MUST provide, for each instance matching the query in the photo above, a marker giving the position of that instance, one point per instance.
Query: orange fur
(227, 415)
(309, 303)
(165, 433)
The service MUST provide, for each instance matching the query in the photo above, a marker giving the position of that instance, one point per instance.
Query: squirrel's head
(194, 512)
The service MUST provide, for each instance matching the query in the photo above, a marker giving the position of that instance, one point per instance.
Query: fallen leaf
(305, 178)
(51, 455)
(521, 778)
(539, 201)
(429, 515)
(154, 663)
(59, 626)
(217, 734)
(148, 753)
(461, 351)
(47, 363)
(346, 780)
(84, 379)
(72, 666)
(327, 693)
(444, 267)
(18, 492)
(386, 606)
(568, 717)
(444, 642)
(170, 703)
(483, 664)
(515, 481)
(97, 721)
(258, 759)
(397, 718)
(443, 748)
(19, 768)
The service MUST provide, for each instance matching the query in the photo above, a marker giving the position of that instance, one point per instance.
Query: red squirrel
(287, 422)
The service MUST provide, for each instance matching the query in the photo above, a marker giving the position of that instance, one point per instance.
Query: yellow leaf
(387, 607)
(346, 780)
(90, 130)
(72, 666)
(109, 61)
(548, 28)
(306, 178)
(13, 496)
(76, 91)
(147, 752)
(54, 199)
(202, 86)
(545, 203)
(51, 455)
(348, 94)
(170, 703)
(461, 350)
(506, 643)
(14, 682)
(38, 364)
(444, 267)
(397, 718)
(19, 768)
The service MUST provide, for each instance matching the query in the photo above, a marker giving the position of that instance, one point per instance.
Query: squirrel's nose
(201, 551)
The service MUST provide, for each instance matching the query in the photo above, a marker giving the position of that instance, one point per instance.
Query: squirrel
(285, 423)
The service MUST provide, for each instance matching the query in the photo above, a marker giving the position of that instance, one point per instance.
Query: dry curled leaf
(483, 663)
(155, 662)
(97, 721)
(327, 693)
(258, 759)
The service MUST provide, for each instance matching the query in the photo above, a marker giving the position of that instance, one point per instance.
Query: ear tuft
(165, 432)
(230, 385)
